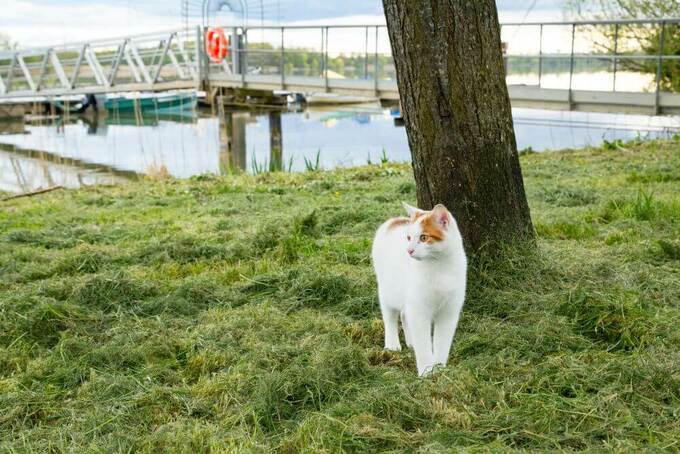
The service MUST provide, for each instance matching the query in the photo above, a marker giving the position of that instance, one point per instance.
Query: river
(87, 150)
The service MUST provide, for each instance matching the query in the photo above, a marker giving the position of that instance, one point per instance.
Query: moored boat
(170, 102)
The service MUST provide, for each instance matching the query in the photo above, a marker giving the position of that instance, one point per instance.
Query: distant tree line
(309, 62)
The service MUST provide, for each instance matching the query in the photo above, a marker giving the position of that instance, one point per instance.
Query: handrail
(98, 42)
(102, 41)
(655, 20)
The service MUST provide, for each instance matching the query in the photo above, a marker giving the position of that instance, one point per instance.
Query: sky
(44, 22)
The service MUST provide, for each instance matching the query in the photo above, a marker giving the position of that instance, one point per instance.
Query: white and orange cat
(421, 269)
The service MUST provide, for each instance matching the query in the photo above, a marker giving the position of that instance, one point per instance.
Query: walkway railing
(636, 50)
(624, 56)
(151, 61)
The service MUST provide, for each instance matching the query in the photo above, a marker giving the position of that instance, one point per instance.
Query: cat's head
(430, 232)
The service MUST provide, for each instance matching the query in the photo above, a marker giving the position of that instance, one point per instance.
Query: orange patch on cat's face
(430, 227)
(396, 222)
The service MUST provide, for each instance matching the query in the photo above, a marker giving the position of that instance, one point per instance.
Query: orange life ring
(216, 44)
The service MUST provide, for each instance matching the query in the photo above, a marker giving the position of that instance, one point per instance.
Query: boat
(165, 103)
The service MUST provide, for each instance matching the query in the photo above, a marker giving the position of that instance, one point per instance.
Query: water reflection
(106, 150)
(232, 130)
(275, 142)
(25, 170)
(233, 142)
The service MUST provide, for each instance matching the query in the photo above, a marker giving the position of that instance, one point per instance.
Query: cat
(421, 268)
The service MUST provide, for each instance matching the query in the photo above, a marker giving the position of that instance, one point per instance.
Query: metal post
(59, 70)
(200, 70)
(173, 59)
(243, 56)
(133, 68)
(79, 61)
(321, 53)
(233, 52)
(116, 62)
(540, 54)
(10, 73)
(185, 55)
(659, 64)
(375, 64)
(325, 57)
(43, 69)
(282, 63)
(26, 72)
(159, 49)
(140, 61)
(161, 62)
(616, 51)
(96, 68)
(571, 65)
(366, 56)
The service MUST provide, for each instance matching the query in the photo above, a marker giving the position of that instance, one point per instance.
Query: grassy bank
(241, 312)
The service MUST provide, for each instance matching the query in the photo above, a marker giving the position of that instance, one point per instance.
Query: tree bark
(458, 118)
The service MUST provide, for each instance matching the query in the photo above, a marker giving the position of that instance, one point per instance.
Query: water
(88, 150)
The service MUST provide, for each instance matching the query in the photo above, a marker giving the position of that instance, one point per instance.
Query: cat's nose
(410, 251)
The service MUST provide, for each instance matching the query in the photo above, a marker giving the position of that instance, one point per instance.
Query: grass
(313, 165)
(240, 313)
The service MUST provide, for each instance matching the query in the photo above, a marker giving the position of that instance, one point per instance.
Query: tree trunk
(458, 118)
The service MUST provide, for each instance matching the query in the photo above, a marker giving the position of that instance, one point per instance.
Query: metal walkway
(564, 65)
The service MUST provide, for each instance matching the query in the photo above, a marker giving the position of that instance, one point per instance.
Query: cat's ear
(441, 215)
(411, 210)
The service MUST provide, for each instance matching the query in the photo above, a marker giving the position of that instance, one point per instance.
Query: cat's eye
(408, 237)
(423, 238)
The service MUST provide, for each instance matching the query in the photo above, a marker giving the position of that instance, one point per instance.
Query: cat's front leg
(407, 332)
(444, 329)
(420, 330)
(390, 319)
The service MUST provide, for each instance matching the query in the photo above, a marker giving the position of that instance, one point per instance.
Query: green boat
(165, 103)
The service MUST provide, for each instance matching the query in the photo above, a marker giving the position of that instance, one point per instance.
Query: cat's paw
(393, 347)
(426, 371)
(429, 371)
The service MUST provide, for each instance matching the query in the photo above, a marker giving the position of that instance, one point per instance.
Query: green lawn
(241, 313)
